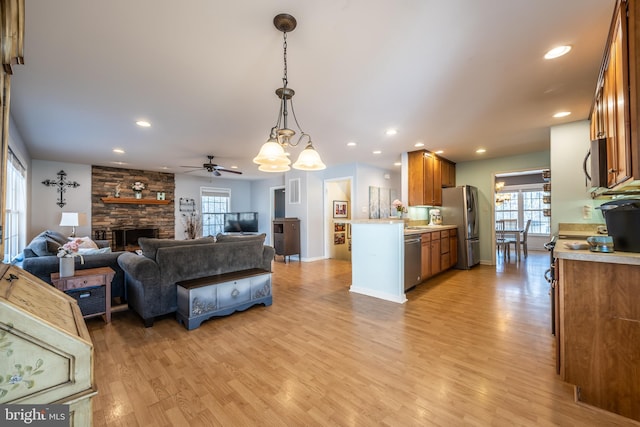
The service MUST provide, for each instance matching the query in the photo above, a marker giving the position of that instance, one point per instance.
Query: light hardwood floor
(468, 348)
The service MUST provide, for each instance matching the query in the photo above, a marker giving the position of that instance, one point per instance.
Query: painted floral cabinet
(46, 353)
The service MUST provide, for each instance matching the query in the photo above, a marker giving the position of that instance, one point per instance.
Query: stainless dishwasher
(412, 259)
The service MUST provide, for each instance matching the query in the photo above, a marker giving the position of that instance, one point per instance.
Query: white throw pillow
(87, 243)
(93, 251)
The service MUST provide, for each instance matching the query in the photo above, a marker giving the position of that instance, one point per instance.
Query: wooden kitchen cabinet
(453, 247)
(598, 332)
(425, 261)
(614, 112)
(425, 180)
(445, 259)
(435, 253)
(447, 173)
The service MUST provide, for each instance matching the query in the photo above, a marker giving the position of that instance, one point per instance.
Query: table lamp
(70, 219)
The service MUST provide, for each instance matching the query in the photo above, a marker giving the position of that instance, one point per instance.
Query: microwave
(596, 172)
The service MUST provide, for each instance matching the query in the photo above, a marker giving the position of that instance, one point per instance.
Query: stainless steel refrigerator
(460, 208)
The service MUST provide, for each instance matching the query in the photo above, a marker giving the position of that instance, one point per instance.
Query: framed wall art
(340, 209)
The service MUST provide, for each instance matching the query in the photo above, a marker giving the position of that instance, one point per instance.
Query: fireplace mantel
(134, 201)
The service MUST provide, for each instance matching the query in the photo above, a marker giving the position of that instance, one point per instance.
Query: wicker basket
(91, 300)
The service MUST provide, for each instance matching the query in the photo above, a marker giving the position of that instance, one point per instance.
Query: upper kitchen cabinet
(614, 114)
(448, 173)
(425, 180)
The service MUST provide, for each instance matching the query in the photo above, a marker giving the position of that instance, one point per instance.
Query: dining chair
(502, 246)
(523, 239)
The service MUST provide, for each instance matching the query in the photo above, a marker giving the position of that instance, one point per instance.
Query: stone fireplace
(120, 220)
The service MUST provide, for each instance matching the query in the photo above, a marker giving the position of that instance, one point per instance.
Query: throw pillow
(52, 246)
(87, 243)
(93, 251)
(55, 236)
(37, 247)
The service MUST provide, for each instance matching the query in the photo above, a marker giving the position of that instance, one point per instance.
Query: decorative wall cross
(61, 183)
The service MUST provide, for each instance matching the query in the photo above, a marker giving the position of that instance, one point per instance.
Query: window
(15, 232)
(215, 203)
(523, 203)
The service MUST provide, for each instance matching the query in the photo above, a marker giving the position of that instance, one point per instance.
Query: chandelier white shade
(272, 157)
(272, 153)
(309, 160)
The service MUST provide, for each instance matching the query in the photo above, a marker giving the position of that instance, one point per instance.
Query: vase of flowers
(67, 254)
(137, 188)
(400, 209)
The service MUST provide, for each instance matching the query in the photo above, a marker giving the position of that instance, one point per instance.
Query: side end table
(91, 288)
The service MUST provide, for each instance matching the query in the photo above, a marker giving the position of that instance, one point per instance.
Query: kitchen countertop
(562, 252)
(419, 229)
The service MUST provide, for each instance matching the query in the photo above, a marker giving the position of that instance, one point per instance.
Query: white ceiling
(455, 75)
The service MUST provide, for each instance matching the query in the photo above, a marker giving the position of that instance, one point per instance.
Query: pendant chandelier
(272, 157)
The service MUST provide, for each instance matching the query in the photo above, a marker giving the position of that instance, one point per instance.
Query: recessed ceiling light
(439, 152)
(234, 167)
(397, 164)
(351, 144)
(143, 123)
(481, 150)
(557, 52)
(562, 114)
(119, 163)
(377, 152)
(419, 144)
(118, 150)
(391, 131)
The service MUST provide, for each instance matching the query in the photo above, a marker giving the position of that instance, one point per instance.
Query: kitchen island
(598, 331)
(377, 257)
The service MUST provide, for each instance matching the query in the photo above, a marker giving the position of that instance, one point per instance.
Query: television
(241, 222)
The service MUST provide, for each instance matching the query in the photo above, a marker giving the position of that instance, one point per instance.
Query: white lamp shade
(271, 153)
(70, 219)
(274, 168)
(309, 160)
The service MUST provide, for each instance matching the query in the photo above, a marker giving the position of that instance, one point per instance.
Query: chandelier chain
(284, 45)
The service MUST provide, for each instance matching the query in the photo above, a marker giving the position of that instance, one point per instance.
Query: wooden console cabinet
(46, 352)
(286, 236)
(206, 297)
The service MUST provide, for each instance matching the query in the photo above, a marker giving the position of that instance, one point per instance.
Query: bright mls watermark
(34, 415)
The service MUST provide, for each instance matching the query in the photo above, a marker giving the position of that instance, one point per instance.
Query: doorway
(338, 193)
(279, 203)
(522, 198)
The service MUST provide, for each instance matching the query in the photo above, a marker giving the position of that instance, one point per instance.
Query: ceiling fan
(212, 168)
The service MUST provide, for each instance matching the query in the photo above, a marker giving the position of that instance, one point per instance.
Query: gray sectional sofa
(40, 259)
(151, 277)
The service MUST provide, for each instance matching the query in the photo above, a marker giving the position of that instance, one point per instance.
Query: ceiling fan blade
(223, 169)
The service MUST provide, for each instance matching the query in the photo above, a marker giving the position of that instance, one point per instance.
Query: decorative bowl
(600, 243)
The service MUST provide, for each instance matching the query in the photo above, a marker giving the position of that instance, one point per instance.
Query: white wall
(569, 193)
(45, 213)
